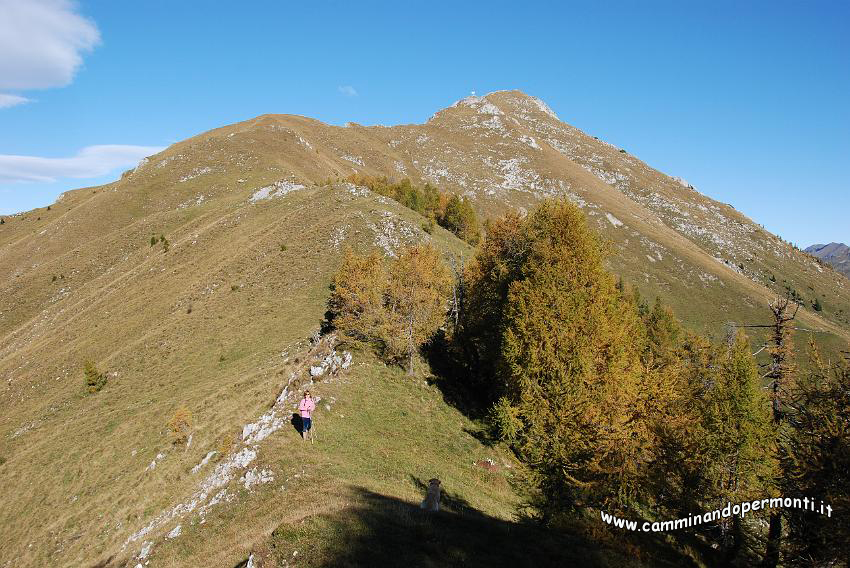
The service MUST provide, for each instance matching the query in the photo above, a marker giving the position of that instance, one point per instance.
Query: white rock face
(357, 190)
(391, 232)
(332, 363)
(175, 532)
(354, 159)
(204, 461)
(159, 457)
(277, 189)
(268, 424)
(544, 108)
(146, 550)
(530, 141)
(683, 182)
(613, 220)
(142, 163)
(254, 477)
(244, 457)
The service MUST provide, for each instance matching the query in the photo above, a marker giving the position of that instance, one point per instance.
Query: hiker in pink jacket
(305, 408)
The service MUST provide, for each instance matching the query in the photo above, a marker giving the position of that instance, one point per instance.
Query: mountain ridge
(836, 255)
(530, 154)
(257, 216)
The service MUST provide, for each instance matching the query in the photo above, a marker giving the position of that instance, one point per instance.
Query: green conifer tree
(816, 460)
(487, 279)
(570, 360)
(740, 439)
(663, 331)
(459, 217)
(94, 379)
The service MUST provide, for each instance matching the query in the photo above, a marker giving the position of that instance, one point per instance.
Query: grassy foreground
(351, 498)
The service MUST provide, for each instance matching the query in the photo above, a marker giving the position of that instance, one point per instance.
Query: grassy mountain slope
(352, 497)
(78, 462)
(256, 218)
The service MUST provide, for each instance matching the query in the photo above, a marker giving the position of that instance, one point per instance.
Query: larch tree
(416, 300)
(663, 333)
(739, 439)
(815, 455)
(678, 363)
(459, 217)
(357, 299)
(570, 362)
(394, 306)
(487, 278)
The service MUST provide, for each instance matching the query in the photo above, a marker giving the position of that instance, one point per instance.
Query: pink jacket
(306, 407)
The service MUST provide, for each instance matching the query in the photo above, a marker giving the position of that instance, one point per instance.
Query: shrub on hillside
(180, 426)
(94, 379)
(225, 444)
(505, 421)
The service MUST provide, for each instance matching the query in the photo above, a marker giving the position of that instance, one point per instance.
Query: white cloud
(41, 43)
(90, 162)
(347, 90)
(7, 101)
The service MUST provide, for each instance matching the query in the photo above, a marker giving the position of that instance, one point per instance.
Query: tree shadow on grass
(456, 383)
(379, 530)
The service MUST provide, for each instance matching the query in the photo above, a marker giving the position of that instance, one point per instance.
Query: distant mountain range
(836, 254)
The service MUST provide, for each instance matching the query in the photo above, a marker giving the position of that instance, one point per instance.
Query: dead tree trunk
(411, 346)
(457, 291)
(781, 369)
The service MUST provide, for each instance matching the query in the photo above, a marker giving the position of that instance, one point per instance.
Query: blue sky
(746, 100)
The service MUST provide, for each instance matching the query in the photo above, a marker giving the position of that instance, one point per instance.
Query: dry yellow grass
(77, 463)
